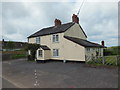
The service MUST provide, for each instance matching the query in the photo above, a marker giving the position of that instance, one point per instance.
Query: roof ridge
(56, 26)
(52, 30)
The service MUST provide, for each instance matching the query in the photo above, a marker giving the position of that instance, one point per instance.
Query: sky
(99, 20)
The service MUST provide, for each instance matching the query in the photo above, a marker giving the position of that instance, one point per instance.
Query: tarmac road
(7, 84)
(58, 75)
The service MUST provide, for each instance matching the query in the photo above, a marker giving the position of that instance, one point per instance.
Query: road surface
(58, 75)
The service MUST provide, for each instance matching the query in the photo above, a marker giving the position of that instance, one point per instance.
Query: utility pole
(80, 7)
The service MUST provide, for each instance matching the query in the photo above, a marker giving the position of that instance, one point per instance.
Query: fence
(106, 60)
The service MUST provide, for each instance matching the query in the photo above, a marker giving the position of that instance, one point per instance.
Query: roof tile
(52, 30)
(84, 43)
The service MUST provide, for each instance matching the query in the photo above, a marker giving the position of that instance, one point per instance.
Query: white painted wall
(73, 51)
(93, 51)
(68, 50)
(47, 54)
(32, 40)
(75, 31)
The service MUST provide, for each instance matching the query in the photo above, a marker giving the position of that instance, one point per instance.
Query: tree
(10, 45)
(32, 48)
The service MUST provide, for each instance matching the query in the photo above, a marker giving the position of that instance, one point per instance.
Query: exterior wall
(73, 51)
(75, 31)
(47, 54)
(68, 50)
(32, 40)
(47, 40)
(93, 51)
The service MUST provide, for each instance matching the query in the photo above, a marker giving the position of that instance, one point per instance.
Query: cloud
(100, 22)
(21, 19)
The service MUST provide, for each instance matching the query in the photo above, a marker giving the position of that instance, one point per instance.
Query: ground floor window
(40, 53)
(55, 52)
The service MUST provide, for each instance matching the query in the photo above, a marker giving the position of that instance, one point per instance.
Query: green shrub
(115, 50)
(32, 48)
(16, 56)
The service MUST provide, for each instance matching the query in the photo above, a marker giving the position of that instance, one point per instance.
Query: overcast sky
(98, 19)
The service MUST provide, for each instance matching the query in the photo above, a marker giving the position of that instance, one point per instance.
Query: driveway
(58, 75)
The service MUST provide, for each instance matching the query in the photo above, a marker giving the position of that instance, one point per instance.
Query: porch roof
(44, 47)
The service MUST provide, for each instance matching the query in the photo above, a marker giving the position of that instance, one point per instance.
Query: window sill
(40, 57)
(55, 42)
(55, 56)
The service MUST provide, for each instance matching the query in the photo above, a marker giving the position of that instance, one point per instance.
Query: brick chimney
(57, 22)
(102, 43)
(75, 18)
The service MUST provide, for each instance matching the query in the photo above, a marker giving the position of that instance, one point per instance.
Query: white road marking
(12, 82)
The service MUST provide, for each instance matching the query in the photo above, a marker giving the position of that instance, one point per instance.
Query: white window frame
(55, 52)
(88, 49)
(40, 54)
(55, 38)
(37, 40)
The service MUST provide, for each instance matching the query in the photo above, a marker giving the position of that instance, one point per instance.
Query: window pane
(55, 52)
(40, 53)
(38, 40)
(53, 38)
(56, 38)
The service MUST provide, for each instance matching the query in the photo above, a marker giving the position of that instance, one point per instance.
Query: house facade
(64, 42)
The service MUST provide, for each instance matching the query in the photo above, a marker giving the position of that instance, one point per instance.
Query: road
(7, 84)
(59, 75)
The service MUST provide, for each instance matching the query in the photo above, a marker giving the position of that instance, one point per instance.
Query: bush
(32, 48)
(107, 52)
(112, 50)
(29, 57)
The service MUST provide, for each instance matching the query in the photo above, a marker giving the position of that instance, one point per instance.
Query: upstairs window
(55, 38)
(38, 40)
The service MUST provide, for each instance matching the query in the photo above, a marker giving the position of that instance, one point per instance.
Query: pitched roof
(52, 30)
(84, 43)
(44, 47)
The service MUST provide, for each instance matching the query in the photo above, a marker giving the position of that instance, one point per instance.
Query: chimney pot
(75, 18)
(57, 22)
(103, 43)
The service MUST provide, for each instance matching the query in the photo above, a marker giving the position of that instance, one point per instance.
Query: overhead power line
(80, 7)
